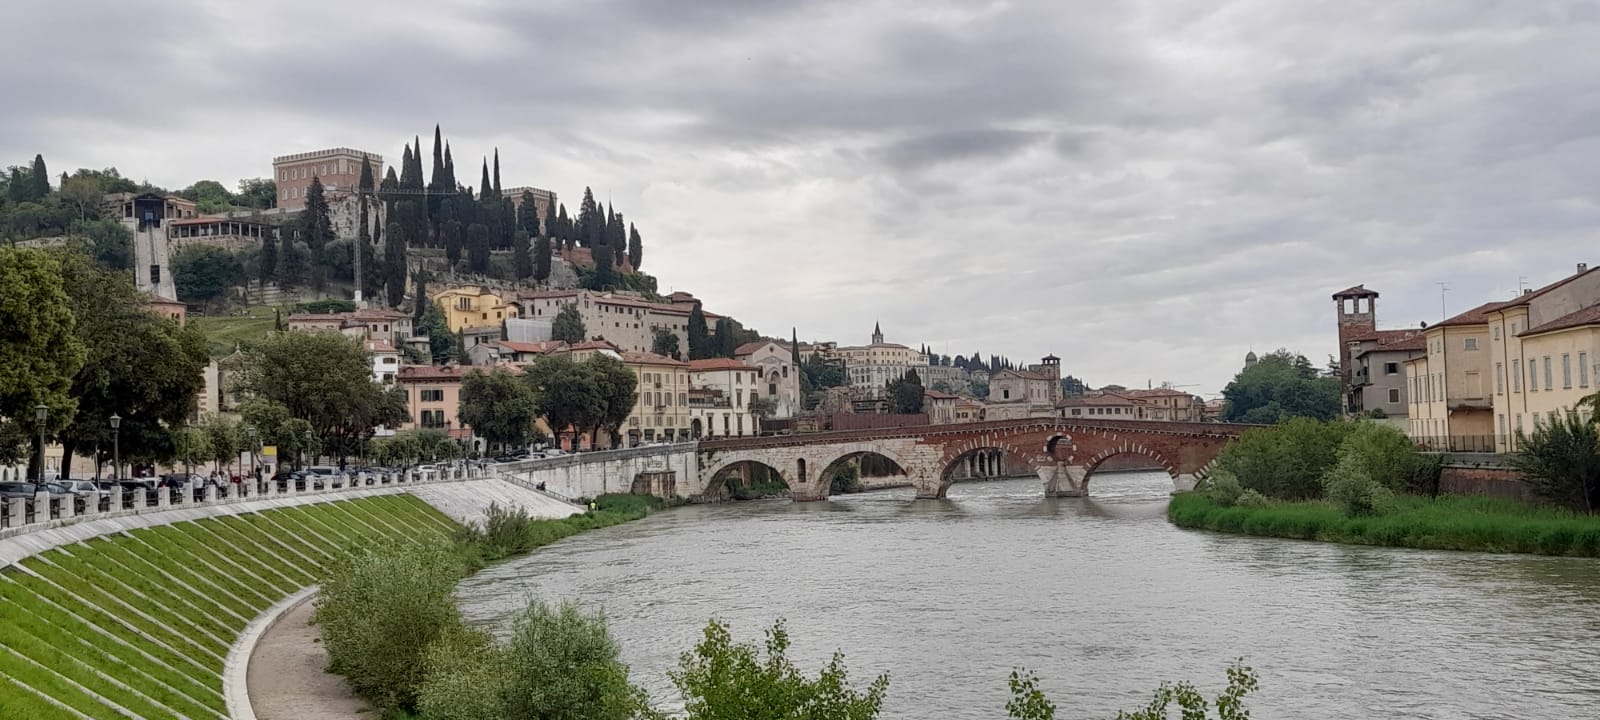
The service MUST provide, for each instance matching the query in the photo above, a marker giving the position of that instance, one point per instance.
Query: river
(1099, 595)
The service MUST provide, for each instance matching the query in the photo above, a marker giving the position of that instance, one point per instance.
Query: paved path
(286, 680)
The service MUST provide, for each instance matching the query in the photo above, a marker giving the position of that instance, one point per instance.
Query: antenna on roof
(1444, 287)
(1522, 280)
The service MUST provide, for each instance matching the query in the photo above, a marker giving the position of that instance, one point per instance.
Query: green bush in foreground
(1443, 523)
(1561, 461)
(722, 680)
(1028, 702)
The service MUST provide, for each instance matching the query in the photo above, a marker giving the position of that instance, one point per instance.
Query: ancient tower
(1358, 319)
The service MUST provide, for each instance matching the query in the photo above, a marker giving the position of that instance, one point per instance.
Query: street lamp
(116, 446)
(305, 450)
(41, 412)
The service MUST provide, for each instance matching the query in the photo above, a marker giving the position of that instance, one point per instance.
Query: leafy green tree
(38, 180)
(139, 365)
(1278, 387)
(1286, 462)
(665, 342)
(225, 438)
(562, 663)
(321, 377)
(434, 325)
(40, 349)
(1560, 461)
(211, 197)
(1384, 454)
(907, 394)
(203, 273)
(566, 394)
(293, 262)
(112, 242)
(394, 264)
(568, 326)
(478, 247)
(257, 193)
(498, 407)
(700, 346)
(1072, 386)
(618, 388)
(723, 680)
(266, 266)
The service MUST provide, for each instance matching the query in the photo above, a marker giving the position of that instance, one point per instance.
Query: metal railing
(1462, 443)
(25, 514)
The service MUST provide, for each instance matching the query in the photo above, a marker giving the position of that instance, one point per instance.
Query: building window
(1391, 368)
(1394, 395)
(433, 396)
(1497, 337)
(1470, 344)
(1499, 379)
(1566, 371)
(1502, 418)
(1549, 382)
(1516, 376)
(1533, 375)
(1583, 369)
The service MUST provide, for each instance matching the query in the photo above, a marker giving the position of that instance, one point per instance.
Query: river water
(1099, 595)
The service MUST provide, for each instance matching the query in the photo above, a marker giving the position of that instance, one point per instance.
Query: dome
(1250, 356)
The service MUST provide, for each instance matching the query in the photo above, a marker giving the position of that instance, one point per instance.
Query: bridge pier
(1063, 480)
(1184, 482)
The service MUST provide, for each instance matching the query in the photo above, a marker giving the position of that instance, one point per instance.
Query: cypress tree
(635, 250)
(268, 268)
(548, 227)
(452, 232)
(603, 274)
(291, 265)
(588, 220)
(725, 343)
(38, 180)
(521, 256)
(405, 169)
(528, 214)
(499, 192)
(315, 225)
(699, 339)
(617, 238)
(478, 247)
(541, 258)
(794, 348)
(436, 181)
(420, 307)
(564, 227)
(487, 190)
(394, 264)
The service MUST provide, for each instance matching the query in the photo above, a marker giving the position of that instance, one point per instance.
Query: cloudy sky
(1147, 189)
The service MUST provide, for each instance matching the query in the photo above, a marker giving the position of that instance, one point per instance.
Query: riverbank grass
(1445, 523)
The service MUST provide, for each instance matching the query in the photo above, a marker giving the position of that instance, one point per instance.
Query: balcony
(1470, 403)
(1360, 378)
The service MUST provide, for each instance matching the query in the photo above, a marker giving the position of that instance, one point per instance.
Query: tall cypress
(699, 338)
(291, 265)
(316, 226)
(521, 255)
(436, 181)
(588, 219)
(394, 263)
(541, 258)
(547, 224)
(564, 227)
(420, 307)
(453, 232)
(635, 250)
(499, 192)
(478, 247)
(38, 179)
(268, 268)
(794, 348)
(617, 238)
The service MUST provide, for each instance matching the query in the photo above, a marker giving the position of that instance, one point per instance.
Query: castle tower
(877, 334)
(1358, 318)
(1051, 365)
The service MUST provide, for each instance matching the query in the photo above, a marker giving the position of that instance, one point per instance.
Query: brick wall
(1487, 480)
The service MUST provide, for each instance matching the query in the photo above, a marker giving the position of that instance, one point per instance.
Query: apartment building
(471, 306)
(1502, 367)
(663, 413)
(433, 396)
(727, 387)
(625, 320)
(870, 368)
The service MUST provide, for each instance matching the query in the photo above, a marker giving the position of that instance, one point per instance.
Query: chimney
(1583, 268)
(1527, 291)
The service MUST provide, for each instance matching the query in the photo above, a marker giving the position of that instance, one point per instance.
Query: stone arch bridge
(1064, 453)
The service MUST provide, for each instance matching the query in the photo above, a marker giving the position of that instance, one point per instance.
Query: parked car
(18, 490)
(81, 487)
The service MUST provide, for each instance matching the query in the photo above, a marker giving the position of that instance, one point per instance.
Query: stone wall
(673, 471)
(1486, 480)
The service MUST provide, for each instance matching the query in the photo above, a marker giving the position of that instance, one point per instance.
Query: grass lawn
(224, 333)
(1444, 523)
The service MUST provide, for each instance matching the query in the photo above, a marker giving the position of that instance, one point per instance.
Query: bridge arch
(1125, 448)
(829, 470)
(956, 458)
(718, 479)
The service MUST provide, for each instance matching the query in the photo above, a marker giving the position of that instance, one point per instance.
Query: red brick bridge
(1064, 453)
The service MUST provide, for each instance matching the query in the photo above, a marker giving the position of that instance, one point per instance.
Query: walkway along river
(1100, 595)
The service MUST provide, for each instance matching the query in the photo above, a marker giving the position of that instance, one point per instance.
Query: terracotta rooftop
(594, 345)
(1024, 374)
(718, 364)
(1357, 291)
(1587, 316)
(649, 358)
(415, 373)
(1416, 341)
(1385, 336)
(1105, 400)
(937, 395)
(379, 346)
(1476, 316)
(749, 348)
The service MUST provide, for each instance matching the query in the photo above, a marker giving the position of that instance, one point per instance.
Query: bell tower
(1358, 319)
(877, 334)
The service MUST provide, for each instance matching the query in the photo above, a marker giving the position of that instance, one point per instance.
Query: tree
(38, 180)
(618, 387)
(267, 265)
(1288, 461)
(1278, 387)
(568, 326)
(1029, 703)
(316, 225)
(541, 259)
(441, 342)
(700, 346)
(225, 439)
(40, 350)
(604, 277)
(323, 378)
(726, 341)
(139, 365)
(566, 394)
(394, 264)
(478, 247)
(209, 196)
(665, 342)
(635, 250)
(907, 393)
(1560, 461)
(498, 407)
(112, 241)
(202, 273)
(454, 239)
(1072, 386)
(258, 193)
(521, 255)
(722, 680)
(292, 261)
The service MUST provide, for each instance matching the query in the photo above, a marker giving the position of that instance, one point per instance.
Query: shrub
(720, 679)
(463, 677)
(1349, 485)
(562, 663)
(1223, 488)
(1384, 453)
(1029, 703)
(1252, 499)
(1285, 462)
(1561, 462)
(380, 610)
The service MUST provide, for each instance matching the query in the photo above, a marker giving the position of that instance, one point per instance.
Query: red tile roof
(718, 364)
(1416, 341)
(648, 358)
(749, 348)
(423, 373)
(1385, 336)
(1476, 316)
(1357, 291)
(379, 346)
(537, 348)
(937, 395)
(1105, 400)
(1587, 316)
(594, 345)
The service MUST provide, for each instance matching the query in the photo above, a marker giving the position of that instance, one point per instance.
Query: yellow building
(662, 413)
(471, 306)
(1501, 367)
